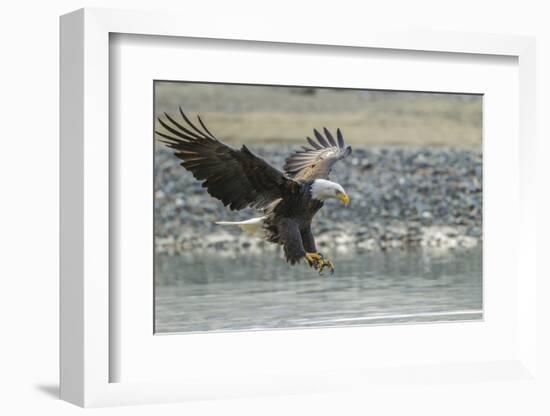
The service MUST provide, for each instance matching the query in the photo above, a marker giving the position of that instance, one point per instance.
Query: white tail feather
(253, 226)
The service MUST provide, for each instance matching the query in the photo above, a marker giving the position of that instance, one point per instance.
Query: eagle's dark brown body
(288, 222)
(240, 179)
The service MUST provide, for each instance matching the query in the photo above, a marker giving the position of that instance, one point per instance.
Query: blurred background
(406, 249)
(266, 114)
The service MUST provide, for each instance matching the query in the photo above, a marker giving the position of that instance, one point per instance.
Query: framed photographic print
(270, 214)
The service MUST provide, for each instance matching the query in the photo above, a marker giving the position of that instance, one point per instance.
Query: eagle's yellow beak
(344, 198)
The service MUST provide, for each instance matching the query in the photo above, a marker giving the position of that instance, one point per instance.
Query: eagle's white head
(321, 189)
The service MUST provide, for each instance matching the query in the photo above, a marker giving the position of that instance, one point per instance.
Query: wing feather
(180, 127)
(238, 178)
(329, 137)
(320, 138)
(340, 138)
(313, 143)
(201, 133)
(316, 162)
(204, 127)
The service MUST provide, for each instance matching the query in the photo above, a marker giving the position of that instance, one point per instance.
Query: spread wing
(316, 162)
(238, 178)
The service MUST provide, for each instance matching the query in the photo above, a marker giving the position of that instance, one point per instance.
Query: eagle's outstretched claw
(313, 258)
(318, 261)
(329, 264)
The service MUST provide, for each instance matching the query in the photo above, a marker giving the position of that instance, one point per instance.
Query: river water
(197, 293)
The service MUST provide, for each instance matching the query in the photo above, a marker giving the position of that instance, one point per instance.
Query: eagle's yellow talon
(330, 265)
(319, 263)
(325, 263)
(314, 259)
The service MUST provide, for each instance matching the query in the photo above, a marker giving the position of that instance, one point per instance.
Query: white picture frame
(87, 302)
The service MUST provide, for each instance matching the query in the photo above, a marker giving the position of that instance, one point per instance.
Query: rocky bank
(400, 197)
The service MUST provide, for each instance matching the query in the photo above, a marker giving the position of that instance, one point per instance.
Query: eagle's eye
(337, 192)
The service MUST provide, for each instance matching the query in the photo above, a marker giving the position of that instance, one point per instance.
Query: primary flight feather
(288, 199)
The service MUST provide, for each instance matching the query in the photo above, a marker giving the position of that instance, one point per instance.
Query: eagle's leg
(314, 258)
(289, 235)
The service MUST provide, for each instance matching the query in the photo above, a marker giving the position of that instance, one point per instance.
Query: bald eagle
(288, 199)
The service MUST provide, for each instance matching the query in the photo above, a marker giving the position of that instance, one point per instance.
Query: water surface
(209, 292)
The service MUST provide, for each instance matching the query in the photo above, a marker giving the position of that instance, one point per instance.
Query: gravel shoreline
(400, 197)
